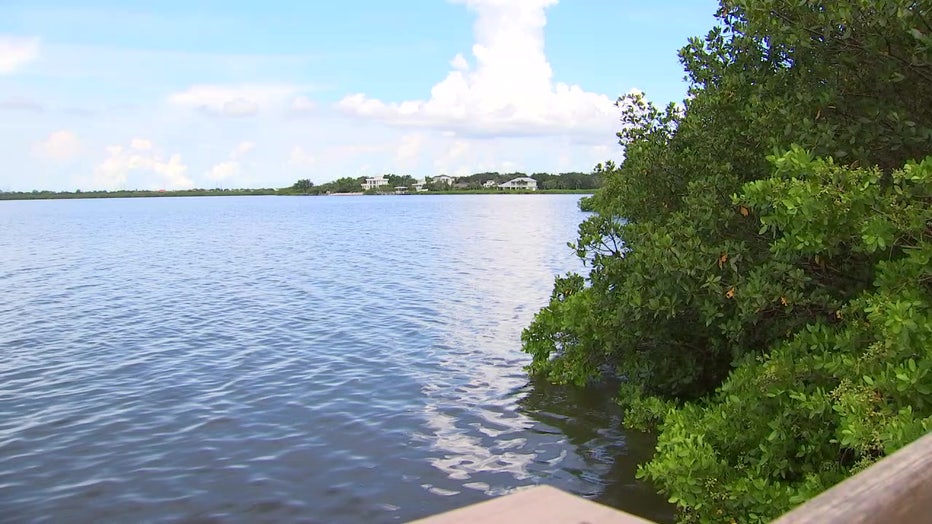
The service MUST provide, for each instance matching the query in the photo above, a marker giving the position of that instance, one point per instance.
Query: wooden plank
(896, 489)
(538, 505)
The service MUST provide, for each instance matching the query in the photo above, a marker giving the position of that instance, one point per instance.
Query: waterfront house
(374, 182)
(489, 184)
(443, 180)
(525, 183)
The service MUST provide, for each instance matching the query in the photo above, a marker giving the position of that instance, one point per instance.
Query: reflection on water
(603, 456)
(280, 359)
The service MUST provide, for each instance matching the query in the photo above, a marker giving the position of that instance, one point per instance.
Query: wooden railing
(897, 489)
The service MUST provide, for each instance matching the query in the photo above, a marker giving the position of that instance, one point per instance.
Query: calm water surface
(251, 359)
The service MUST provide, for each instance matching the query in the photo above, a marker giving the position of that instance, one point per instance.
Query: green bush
(843, 391)
(758, 266)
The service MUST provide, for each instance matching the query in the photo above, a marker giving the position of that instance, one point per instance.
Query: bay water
(290, 359)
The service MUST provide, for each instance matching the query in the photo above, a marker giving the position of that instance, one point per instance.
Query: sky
(117, 94)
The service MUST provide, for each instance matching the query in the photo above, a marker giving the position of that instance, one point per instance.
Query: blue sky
(113, 94)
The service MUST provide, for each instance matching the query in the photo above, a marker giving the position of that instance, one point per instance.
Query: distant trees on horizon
(573, 180)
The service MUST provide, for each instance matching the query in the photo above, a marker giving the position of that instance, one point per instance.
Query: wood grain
(898, 489)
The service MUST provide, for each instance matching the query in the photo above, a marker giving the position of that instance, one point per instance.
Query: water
(301, 359)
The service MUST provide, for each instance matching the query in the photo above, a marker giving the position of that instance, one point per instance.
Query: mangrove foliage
(759, 267)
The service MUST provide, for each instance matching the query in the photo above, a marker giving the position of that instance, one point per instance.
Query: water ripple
(288, 359)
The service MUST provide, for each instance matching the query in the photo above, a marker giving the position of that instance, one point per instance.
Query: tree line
(132, 193)
(569, 181)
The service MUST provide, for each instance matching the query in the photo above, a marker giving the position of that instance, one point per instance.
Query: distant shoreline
(510, 192)
(72, 195)
(69, 195)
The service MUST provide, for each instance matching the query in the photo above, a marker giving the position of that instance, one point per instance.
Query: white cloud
(509, 91)
(409, 149)
(240, 107)
(453, 154)
(241, 149)
(302, 105)
(232, 101)
(458, 149)
(16, 52)
(140, 144)
(301, 159)
(507, 166)
(459, 63)
(141, 166)
(232, 168)
(224, 170)
(60, 145)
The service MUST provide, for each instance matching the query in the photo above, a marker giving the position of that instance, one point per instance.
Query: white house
(443, 179)
(419, 186)
(525, 183)
(374, 182)
(489, 183)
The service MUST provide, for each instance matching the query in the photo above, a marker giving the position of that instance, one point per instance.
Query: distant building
(443, 179)
(489, 183)
(525, 183)
(419, 186)
(374, 182)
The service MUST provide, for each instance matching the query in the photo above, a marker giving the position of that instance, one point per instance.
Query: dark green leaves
(766, 256)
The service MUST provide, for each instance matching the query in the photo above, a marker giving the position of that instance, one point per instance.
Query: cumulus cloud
(224, 170)
(453, 154)
(232, 168)
(232, 101)
(59, 146)
(302, 105)
(509, 90)
(240, 107)
(140, 144)
(459, 156)
(409, 149)
(15, 52)
(459, 63)
(301, 159)
(241, 149)
(141, 165)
